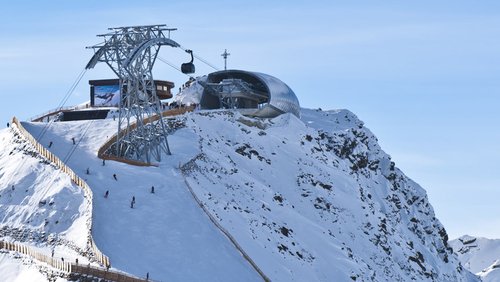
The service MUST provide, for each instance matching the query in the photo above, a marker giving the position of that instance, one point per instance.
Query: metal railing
(101, 153)
(55, 111)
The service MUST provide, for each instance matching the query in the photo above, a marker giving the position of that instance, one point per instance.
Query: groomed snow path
(166, 233)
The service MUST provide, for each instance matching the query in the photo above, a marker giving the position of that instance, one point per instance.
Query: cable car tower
(131, 53)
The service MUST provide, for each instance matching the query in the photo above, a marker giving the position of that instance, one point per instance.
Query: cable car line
(63, 101)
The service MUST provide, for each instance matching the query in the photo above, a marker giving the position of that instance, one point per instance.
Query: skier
(103, 162)
(88, 171)
(106, 194)
(73, 139)
(50, 144)
(114, 176)
(152, 189)
(147, 276)
(8, 124)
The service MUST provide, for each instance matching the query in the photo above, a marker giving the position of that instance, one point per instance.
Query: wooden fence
(108, 275)
(23, 249)
(101, 258)
(70, 267)
(222, 229)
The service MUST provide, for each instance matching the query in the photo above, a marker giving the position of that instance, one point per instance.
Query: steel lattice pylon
(131, 53)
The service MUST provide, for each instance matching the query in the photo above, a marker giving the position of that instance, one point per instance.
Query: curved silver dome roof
(282, 96)
(256, 94)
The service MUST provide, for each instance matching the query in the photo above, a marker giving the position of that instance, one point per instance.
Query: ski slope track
(310, 199)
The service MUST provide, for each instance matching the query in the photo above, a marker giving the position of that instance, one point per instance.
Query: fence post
(64, 168)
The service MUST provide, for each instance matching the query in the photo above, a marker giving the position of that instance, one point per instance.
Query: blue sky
(423, 76)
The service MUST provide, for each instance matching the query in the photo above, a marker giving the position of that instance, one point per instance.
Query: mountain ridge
(314, 199)
(479, 255)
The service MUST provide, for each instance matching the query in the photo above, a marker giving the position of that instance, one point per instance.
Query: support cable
(72, 88)
(202, 60)
(61, 104)
(73, 149)
(172, 65)
(207, 63)
(63, 101)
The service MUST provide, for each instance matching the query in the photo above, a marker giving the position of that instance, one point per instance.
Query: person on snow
(106, 194)
(114, 176)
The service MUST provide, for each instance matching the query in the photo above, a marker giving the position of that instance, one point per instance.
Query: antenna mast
(224, 55)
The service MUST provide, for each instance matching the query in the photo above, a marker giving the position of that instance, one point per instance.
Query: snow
(310, 199)
(13, 271)
(492, 273)
(166, 233)
(191, 94)
(479, 255)
(37, 198)
(297, 205)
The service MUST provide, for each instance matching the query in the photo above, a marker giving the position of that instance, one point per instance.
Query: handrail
(69, 267)
(52, 112)
(102, 259)
(101, 153)
(218, 225)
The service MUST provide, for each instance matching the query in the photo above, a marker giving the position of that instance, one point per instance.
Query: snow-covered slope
(166, 233)
(318, 200)
(13, 270)
(479, 255)
(191, 94)
(35, 194)
(39, 205)
(308, 200)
